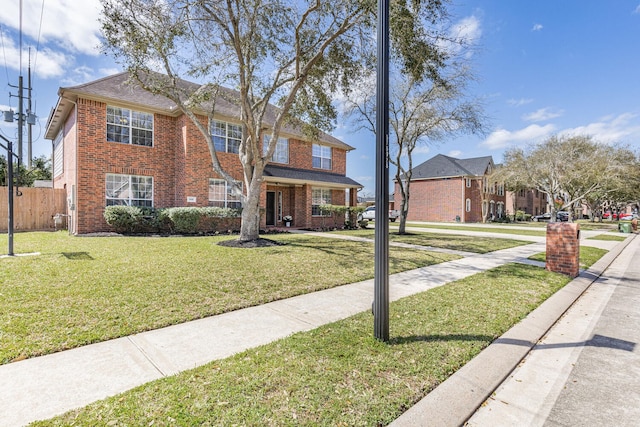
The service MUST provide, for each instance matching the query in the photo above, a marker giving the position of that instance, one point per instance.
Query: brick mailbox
(563, 248)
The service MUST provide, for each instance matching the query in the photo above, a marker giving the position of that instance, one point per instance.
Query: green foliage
(181, 220)
(124, 219)
(184, 220)
(23, 177)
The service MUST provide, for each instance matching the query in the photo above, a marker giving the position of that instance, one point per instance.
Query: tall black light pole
(10, 156)
(381, 273)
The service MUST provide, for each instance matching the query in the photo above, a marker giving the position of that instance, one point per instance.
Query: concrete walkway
(43, 387)
(573, 361)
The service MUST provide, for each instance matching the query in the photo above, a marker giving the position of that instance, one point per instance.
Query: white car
(370, 214)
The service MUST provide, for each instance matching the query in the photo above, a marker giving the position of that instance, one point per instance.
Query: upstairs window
(129, 127)
(321, 156)
(221, 194)
(281, 153)
(226, 136)
(129, 190)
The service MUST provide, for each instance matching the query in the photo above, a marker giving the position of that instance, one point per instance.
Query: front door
(271, 208)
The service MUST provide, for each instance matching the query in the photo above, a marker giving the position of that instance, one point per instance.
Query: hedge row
(181, 220)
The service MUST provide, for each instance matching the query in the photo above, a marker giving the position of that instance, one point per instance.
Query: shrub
(184, 220)
(124, 219)
(363, 223)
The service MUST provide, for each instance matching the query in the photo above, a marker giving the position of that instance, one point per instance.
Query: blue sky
(544, 67)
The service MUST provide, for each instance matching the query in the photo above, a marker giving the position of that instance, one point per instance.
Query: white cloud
(519, 102)
(468, 29)
(502, 138)
(70, 24)
(610, 129)
(422, 149)
(537, 27)
(466, 32)
(637, 9)
(455, 153)
(364, 178)
(543, 114)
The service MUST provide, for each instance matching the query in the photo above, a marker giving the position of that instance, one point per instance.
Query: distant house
(448, 189)
(532, 202)
(117, 144)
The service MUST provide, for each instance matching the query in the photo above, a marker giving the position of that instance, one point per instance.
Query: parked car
(370, 214)
(627, 217)
(562, 216)
(541, 218)
(608, 215)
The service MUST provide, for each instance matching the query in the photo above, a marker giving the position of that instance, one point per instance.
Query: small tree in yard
(293, 54)
(422, 110)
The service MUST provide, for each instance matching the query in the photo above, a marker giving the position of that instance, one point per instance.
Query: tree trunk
(250, 226)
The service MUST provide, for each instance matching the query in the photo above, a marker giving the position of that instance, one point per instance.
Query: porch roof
(279, 174)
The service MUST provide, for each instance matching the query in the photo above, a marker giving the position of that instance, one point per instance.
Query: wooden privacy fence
(34, 210)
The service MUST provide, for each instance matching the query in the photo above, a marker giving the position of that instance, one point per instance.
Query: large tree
(568, 168)
(277, 52)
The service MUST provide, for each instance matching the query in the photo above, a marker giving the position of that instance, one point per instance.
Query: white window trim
(322, 195)
(227, 194)
(468, 205)
(322, 157)
(58, 155)
(281, 153)
(226, 136)
(129, 200)
(129, 125)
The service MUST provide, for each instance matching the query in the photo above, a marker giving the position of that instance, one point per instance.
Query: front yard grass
(535, 230)
(480, 245)
(82, 290)
(338, 374)
(588, 256)
(610, 237)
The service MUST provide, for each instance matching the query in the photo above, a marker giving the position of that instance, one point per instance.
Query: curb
(456, 399)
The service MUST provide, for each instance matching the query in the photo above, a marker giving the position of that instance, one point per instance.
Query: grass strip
(476, 244)
(83, 290)
(588, 256)
(338, 375)
(610, 237)
(489, 228)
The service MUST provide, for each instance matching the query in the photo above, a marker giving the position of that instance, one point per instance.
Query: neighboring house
(117, 144)
(532, 202)
(448, 189)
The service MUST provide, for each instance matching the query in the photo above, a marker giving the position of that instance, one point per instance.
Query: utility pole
(29, 120)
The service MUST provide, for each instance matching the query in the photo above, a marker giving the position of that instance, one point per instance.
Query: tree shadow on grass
(441, 338)
(76, 256)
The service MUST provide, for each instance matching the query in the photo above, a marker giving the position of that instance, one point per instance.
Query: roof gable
(441, 166)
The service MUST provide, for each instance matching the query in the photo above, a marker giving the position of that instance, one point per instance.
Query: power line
(4, 53)
(35, 60)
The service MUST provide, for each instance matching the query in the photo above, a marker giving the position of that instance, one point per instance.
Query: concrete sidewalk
(43, 387)
(583, 369)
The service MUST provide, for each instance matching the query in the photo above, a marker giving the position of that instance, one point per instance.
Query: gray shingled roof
(273, 172)
(118, 89)
(442, 166)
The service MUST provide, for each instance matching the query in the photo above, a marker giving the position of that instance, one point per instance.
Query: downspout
(463, 212)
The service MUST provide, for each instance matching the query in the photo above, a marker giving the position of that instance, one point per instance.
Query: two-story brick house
(446, 189)
(115, 143)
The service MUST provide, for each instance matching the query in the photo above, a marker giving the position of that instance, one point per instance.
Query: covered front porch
(294, 196)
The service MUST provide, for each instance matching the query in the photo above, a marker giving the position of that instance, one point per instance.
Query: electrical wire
(4, 53)
(35, 60)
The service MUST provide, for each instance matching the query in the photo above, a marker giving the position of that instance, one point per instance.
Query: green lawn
(82, 290)
(475, 244)
(536, 229)
(610, 237)
(338, 375)
(588, 256)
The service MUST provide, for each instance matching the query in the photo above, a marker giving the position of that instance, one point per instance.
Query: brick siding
(179, 162)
